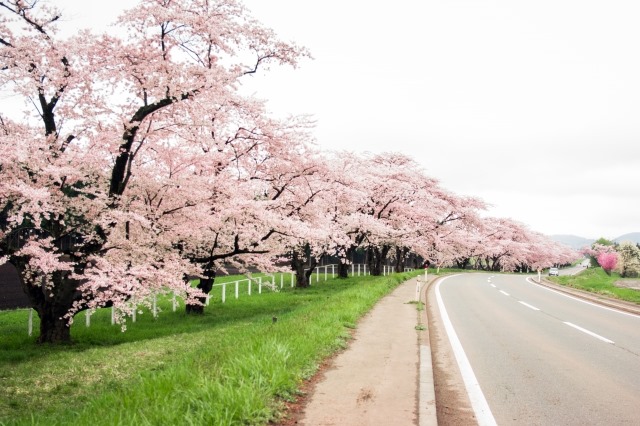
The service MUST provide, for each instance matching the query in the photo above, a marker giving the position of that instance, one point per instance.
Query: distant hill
(572, 241)
(577, 243)
(634, 237)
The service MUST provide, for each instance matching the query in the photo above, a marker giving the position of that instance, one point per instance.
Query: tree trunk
(205, 284)
(376, 258)
(54, 328)
(401, 258)
(298, 263)
(463, 263)
(51, 304)
(343, 270)
(345, 260)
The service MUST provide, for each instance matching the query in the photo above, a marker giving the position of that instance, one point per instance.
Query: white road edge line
(504, 292)
(590, 333)
(478, 401)
(530, 281)
(528, 305)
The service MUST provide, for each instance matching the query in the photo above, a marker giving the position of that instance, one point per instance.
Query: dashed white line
(504, 292)
(493, 285)
(528, 305)
(590, 333)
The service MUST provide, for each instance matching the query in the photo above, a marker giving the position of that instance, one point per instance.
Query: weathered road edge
(427, 410)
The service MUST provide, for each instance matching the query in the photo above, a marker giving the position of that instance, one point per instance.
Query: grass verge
(596, 280)
(236, 364)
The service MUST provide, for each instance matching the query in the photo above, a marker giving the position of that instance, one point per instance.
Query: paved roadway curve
(542, 358)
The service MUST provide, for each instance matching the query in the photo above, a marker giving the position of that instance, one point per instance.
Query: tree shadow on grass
(17, 347)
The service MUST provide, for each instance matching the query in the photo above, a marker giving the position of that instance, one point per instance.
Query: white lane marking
(478, 401)
(583, 301)
(529, 306)
(493, 285)
(590, 333)
(504, 292)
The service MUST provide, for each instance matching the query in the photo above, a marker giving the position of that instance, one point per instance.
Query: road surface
(538, 357)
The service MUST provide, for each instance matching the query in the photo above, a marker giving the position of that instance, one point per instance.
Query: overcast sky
(532, 106)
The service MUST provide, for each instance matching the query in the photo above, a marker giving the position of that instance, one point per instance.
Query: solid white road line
(529, 306)
(581, 300)
(590, 333)
(478, 401)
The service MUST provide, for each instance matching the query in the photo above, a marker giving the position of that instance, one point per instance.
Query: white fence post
(30, 325)
(292, 279)
(358, 269)
(113, 315)
(155, 306)
(353, 266)
(133, 317)
(224, 292)
(87, 318)
(174, 301)
(259, 285)
(333, 271)
(249, 287)
(281, 279)
(236, 289)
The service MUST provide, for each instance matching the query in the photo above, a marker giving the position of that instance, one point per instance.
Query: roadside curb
(609, 302)
(427, 410)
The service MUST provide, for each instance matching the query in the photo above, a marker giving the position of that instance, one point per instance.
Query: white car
(554, 271)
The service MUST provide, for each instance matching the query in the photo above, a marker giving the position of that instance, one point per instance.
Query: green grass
(232, 365)
(596, 280)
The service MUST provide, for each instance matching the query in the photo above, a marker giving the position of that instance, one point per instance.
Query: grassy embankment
(596, 280)
(232, 365)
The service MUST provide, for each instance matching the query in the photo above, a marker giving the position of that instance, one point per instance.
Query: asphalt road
(537, 357)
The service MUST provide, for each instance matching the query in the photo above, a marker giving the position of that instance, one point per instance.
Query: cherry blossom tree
(608, 261)
(85, 212)
(629, 259)
(389, 206)
(509, 245)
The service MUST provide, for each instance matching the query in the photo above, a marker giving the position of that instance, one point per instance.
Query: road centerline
(528, 305)
(590, 333)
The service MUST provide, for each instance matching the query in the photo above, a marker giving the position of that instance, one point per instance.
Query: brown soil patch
(633, 284)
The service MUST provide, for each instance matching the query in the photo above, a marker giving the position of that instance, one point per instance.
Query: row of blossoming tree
(623, 257)
(137, 162)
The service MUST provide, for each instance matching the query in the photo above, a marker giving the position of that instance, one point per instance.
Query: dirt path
(375, 380)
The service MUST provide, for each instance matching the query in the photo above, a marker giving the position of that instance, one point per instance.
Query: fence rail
(259, 282)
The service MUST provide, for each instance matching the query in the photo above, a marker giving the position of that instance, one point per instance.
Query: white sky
(532, 106)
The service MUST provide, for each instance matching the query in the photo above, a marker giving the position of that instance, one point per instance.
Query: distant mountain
(634, 237)
(577, 243)
(572, 241)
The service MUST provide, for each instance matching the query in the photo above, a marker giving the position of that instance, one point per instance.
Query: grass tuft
(596, 280)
